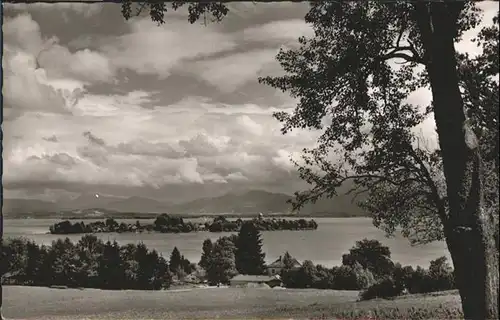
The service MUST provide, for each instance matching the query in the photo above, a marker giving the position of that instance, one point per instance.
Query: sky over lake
(97, 104)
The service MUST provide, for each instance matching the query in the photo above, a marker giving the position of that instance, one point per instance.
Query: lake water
(334, 237)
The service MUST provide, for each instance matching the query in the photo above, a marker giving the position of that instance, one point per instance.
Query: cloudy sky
(95, 104)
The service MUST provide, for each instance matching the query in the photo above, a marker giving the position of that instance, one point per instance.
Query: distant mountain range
(13, 206)
(251, 202)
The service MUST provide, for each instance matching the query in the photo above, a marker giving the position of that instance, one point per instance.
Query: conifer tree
(249, 256)
(175, 260)
(205, 256)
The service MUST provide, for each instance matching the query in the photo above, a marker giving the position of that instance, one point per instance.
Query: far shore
(147, 216)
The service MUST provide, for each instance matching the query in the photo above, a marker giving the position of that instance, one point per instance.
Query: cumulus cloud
(250, 125)
(24, 33)
(86, 65)
(59, 159)
(94, 143)
(28, 89)
(84, 9)
(152, 49)
(281, 32)
(203, 144)
(29, 86)
(233, 71)
(52, 138)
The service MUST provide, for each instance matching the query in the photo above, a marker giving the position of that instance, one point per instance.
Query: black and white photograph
(249, 160)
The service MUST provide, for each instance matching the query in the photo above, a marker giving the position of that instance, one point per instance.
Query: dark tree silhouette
(175, 260)
(306, 275)
(207, 252)
(111, 267)
(288, 261)
(88, 263)
(249, 257)
(371, 255)
(222, 263)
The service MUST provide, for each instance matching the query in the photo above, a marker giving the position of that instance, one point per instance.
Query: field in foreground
(228, 303)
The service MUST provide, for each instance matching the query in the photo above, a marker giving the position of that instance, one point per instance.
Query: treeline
(173, 224)
(93, 263)
(367, 267)
(222, 224)
(163, 223)
(232, 255)
(89, 263)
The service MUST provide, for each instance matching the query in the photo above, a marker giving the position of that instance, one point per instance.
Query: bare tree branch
(397, 52)
(438, 201)
(139, 10)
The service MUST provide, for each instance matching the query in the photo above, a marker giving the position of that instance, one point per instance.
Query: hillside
(13, 206)
(254, 201)
(139, 205)
(245, 203)
(88, 200)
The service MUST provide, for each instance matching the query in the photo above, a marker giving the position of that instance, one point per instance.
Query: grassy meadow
(220, 303)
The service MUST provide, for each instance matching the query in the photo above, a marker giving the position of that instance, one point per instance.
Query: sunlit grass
(227, 303)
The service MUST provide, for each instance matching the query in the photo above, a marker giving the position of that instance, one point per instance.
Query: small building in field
(244, 280)
(278, 265)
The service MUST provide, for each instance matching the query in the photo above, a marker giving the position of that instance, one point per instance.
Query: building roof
(279, 263)
(250, 278)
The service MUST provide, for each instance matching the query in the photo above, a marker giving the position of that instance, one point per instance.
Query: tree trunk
(1, 255)
(469, 228)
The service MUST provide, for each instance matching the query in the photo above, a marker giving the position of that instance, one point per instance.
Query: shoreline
(187, 216)
(168, 224)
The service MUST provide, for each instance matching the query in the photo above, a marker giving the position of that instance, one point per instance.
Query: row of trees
(89, 263)
(165, 223)
(96, 264)
(368, 266)
(222, 224)
(228, 256)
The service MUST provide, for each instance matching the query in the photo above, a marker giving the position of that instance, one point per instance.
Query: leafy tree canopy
(222, 265)
(206, 253)
(371, 255)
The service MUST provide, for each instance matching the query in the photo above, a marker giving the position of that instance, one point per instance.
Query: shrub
(441, 275)
(395, 313)
(403, 275)
(325, 278)
(289, 278)
(351, 278)
(385, 288)
(371, 255)
(306, 275)
(364, 278)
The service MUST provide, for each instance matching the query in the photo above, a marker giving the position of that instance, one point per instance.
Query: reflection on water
(334, 237)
